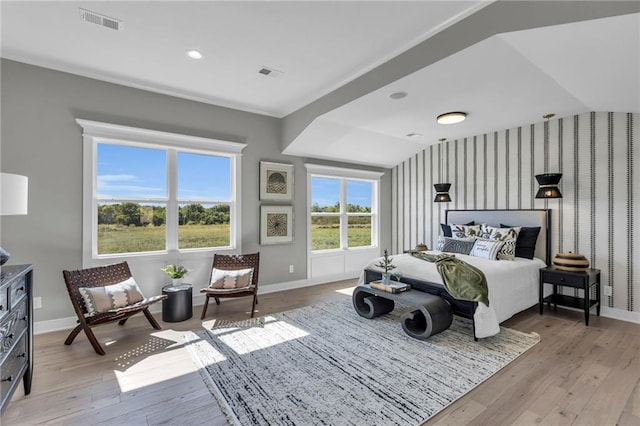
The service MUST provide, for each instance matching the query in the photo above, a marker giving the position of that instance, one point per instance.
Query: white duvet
(513, 285)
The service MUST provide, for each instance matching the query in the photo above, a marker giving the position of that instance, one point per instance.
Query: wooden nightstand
(583, 280)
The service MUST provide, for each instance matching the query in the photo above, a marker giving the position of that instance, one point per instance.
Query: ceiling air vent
(102, 20)
(269, 72)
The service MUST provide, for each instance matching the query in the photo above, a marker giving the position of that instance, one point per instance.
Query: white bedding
(513, 285)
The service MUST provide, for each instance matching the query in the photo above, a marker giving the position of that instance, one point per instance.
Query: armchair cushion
(226, 279)
(108, 298)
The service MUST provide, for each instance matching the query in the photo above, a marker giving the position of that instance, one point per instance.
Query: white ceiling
(318, 46)
(505, 81)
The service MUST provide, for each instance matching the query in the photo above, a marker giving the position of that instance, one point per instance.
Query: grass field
(132, 239)
(323, 237)
(124, 239)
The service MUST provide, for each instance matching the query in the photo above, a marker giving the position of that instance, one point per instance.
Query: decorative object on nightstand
(14, 196)
(572, 262)
(581, 280)
(16, 331)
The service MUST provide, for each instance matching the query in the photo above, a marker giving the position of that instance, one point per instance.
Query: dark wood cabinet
(16, 331)
(582, 280)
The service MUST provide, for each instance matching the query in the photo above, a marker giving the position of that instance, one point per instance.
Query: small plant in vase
(176, 273)
(386, 263)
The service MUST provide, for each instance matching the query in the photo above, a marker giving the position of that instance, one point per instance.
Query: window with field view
(154, 199)
(342, 213)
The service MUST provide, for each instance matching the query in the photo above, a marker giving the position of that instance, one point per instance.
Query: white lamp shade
(14, 194)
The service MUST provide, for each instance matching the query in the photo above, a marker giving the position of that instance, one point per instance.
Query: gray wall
(40, 139)
(597, 216)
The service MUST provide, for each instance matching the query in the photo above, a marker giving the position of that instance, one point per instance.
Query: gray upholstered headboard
(534, 217)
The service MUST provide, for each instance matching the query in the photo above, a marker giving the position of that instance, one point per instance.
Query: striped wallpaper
(597, 216)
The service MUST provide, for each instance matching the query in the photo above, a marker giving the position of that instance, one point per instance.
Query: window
(343, 208)
(150, 192)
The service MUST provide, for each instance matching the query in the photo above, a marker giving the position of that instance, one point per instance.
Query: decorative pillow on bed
(526, 242)
(224, 279)
(446, 229)
(465, 232)
(452, 245)
(486, 249)
(508, 235)
(103, 299)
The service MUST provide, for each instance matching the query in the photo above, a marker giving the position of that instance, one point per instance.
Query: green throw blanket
(462, 281)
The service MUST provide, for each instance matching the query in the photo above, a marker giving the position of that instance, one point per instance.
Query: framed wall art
(276, 181)
(276, 224)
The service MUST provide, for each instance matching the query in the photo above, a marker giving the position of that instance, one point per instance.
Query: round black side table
(179, 305)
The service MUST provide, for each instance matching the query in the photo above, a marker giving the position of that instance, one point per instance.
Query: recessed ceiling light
(194, 54)
(415, 135)
(451, 117)
(398, 95)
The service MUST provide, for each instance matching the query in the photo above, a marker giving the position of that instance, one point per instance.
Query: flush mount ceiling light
(194, 54)
(398, 95)
(451, 117)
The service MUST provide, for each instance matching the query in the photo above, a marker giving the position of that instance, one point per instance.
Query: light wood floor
(576, 375)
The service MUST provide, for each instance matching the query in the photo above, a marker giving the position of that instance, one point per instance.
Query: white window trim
(317, 170)
(95, 132)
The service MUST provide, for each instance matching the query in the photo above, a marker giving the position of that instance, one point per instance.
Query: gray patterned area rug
(325, 365)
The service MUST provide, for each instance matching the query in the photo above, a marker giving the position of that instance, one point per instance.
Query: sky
(326, 192)
(133, 172)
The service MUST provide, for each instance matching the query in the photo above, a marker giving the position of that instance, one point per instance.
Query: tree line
(334, 221)
(134, 214)
(351, 208)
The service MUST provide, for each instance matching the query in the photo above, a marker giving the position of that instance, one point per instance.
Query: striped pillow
(107, 298)
(451, 245)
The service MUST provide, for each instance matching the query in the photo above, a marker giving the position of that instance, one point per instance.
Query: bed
(513, 284)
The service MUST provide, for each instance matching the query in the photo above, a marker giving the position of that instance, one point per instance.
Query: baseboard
(41, 327)
(335, 277)
(620, 314)
(48, 326)
(613, 313)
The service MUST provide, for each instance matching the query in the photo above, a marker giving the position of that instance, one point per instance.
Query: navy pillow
(446, 229)
(526, 242)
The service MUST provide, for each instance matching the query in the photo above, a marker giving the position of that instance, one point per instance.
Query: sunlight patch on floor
(163, 357)
(244, 340)
(348, 290)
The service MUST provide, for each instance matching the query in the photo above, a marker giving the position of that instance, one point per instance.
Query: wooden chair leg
(217, 301)
(204, 307)
(73, 334)
(123, 321)
(94, 342)
(253, 306)
(151, 319)
(256, 296)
